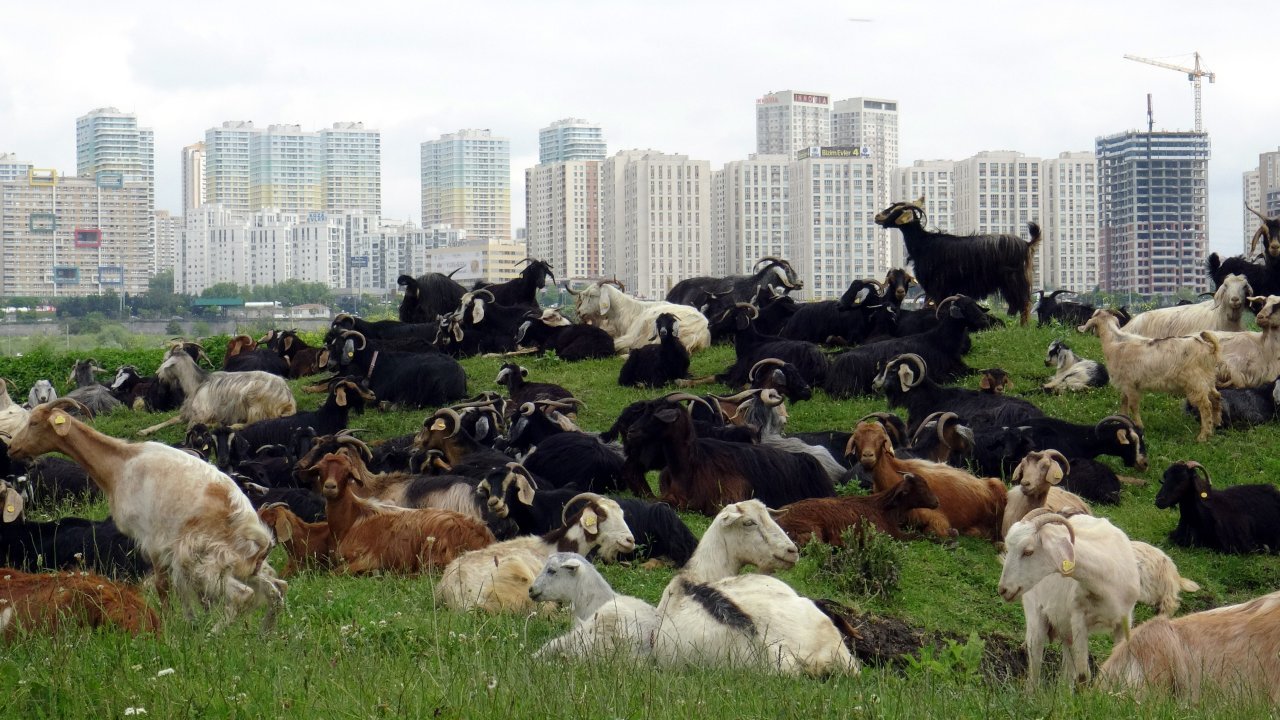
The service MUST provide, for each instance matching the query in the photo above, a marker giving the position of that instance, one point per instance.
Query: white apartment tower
(998, 192)
(285, 170)
(789, 121)
(658, 219)
(168, 228)
(570, 139)
(110, 147)
(466, 183)
(228, 149)
(934, 180)
(834, 238)
(1252, 190)
(351, 168)
(751, 213)
(11, 168)
(192, 177)
(1068, 255)
(871, 125)
(562, 216)
(261, 248)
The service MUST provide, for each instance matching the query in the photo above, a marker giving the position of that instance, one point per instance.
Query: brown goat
(994, 381)
(307, 545)
(237, 345)
(50, 601)
(370, 536)
(974, 506)
(827, 518)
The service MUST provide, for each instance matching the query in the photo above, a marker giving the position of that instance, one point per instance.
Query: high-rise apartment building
(192, 177)
(466, 183)
(657, 210)
(167, 229)
(751, 213)
(562, 216)
(11, 168)
(834, 238)
(871, 125)
(481, 260)
(1068, 254)
(788, 122)
(570, 139)
(286, 168)
(74, 236)
(1153, 203)
(934, 180)
(1252, 191)
(998, 192)
(261, 248)
(111, 146)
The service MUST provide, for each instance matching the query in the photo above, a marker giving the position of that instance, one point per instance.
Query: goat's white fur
(497, 578)
(12, 415)
(1074, 374)
(1038, 476)
(1159, 580)
(224, 398)
(1095, 590)
(1183, 365)
(1250, 359)
(604, 622)
(630, 320)
(791, 634)
(1224, 312)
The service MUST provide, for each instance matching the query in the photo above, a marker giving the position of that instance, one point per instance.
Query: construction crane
(1194, 74)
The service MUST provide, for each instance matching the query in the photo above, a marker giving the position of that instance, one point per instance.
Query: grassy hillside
(375, 647)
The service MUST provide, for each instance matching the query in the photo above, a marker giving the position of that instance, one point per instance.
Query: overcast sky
(678, 76)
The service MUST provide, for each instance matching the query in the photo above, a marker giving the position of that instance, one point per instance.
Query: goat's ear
(589, 521)
(12, 505)
(1060, 549)
(477, 312)
(323, 358)
(904, 217)
(1122, 436)
(1202, 486)
(668, 415)
(573, 565)
(340, 397)
(283, 528)
(60, 423)
(985, 383)
(288, 342)
(1055, 472)
(905, 377)
(524, 490)
(604, 301)
(1017, 475)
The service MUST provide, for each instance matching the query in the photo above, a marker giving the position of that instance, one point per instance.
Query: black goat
(698, 291)
(305, 503)
(569, 341)
(521, 291)
(657, 365)
(775, 310)
(906, 383)
(1092, 481)
(852, 372)
(1239, 519)
(346, 395)
(303, 359)
(429, 296)
(1263, 278)
(515, 379)
(999, 448)
(1073, 314)
(146, 392)
(658, 530)
(973, 265)
(386, 334)
(859, 313)
(578, 459)
(776, 374)
(1246, 407)
(751, 347)
(65, 544)
(480, 326)
(703, 475)
(410, 379)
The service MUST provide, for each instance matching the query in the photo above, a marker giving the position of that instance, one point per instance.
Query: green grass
(377, 647)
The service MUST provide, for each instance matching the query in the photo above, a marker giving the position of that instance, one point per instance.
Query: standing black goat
(522, 290)
(429, 296)
(657, 365)
(973, 265)
(1239, 519)
(1263, 278)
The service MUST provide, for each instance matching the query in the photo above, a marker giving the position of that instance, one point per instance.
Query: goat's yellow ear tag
(438, 424)
(589, 519)
(59, 419)
(1068, 566)
(1204, 495)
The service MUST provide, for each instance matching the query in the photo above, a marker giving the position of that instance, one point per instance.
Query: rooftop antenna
(1151, 120)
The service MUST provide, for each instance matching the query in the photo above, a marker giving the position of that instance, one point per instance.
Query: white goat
(1075, 576)
(1182, 365)
(1159, 579)
(1250, 359)
(12, 415)
(631, 321)
(223, 398)
(190, 521)
(1233, 649)
(604, 622)
(1037, 478)
(1225, 313)
(41, 392)
(710, 614)
(497, 578)
(1074, 374)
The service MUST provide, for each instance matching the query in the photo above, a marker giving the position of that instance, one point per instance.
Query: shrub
(868, 565)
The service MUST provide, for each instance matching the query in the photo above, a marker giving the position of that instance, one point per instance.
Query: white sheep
(1073, 373)
(191, 522)
(1037, 478)
(497, 578)
(631, 321)
(1075, 576)
(1224, 313)
(604, 622)
(1233, 649)
(1160, 583)
(1183, 365)
(711, 615)
(1251, 359)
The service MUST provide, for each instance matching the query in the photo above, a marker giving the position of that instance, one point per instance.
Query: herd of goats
(505, 496)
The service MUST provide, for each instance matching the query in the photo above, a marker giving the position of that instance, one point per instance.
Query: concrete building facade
(192, 177)
(871, 124)
(751, 213)
(834, 238)
(1153, 205)
(1068, 255)
(466, 183)
(998, 192)
(1252, 191)
(12, 168)
(167, 229)
(562, 216)
(789, 121)
(571, 139)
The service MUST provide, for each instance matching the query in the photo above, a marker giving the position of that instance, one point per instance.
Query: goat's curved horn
(454, 416)
(356, 333)
(564, 404)
(486, 291)
(937, 419)
(526, 260)
(1202, 470)
(1056, 293)
(881, 417)
(1043, 516)
(615, 282)
(66, 403)
(1122, 419)
(569, 289)
(1061, 459)
(1261, 233)
(527, 408)
(771, 397)
(564, 513)
(737, 397)
(751, 375)
(270, 505)
(753, 312)
(1261, 217)
(918, 361)
(949, 299)
(454, 271)
(342, 316)
(681, 396)
(354, 442)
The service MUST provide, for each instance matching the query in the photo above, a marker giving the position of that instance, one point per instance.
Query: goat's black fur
(654, 366)
(1239, 519)
(429, 296)
(570, 342)
(410, 379)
